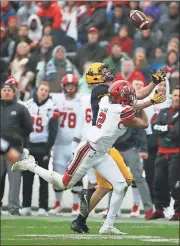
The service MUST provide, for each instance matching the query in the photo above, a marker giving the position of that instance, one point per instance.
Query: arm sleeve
(26, 121)
(53, 129)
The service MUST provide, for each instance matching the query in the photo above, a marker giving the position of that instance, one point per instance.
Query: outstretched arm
(156, 99)
(156, 79)
(139, 123)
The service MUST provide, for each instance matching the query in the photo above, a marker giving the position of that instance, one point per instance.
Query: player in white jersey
(69, 107)
(44, 116)
(114, 116)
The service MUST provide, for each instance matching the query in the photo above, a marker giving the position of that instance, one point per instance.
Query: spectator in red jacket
(128, 73)
(50, 12)
(125, 41)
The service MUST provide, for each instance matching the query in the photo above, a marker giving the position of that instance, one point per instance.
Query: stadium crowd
(43, 41)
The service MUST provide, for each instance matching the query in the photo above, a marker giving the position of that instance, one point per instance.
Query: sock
(136, 196)
(51, 177)
(58, 195)
(90, 192)
(115, 204)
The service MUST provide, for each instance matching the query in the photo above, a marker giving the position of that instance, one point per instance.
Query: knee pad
(77, 187)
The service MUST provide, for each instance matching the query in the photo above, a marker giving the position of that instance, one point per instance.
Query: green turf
(29, 231)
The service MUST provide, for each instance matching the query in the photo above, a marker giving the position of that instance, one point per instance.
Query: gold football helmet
(98, 73)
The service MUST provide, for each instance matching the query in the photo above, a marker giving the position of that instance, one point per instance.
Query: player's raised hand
(158, 98)
(158, 77)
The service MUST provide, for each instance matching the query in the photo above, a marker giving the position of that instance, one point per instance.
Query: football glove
(158, 98)
(158, 77)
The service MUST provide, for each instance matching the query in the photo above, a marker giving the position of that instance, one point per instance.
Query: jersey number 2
(71, 117)
(101, 119)
(37, 124)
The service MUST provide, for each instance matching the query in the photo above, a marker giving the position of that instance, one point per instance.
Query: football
(139, 19)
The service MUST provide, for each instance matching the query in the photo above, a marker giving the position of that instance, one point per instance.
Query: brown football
(139, 19)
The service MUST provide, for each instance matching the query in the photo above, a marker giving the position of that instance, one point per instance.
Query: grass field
(56, 231)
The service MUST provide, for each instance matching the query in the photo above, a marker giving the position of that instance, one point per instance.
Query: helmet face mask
(70, 89)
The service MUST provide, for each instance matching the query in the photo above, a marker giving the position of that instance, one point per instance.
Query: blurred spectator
(119, 18)
(35, 68)
(169, 23)
(22, 36)
(29, 8)
(57, 67)
(140, 62)
(83, 86)
(50, 12)
(6, 11)
(156, 33)
(172, 68)
(19, 62)
(167, 168)
(45, 124)
(152, 8)
(92, 51)
(7, 45)
(69, 19)
(173, 45)
(97, 17)
(47, 29)
(124, 39)
(13, 27)
(146, 41)
(159, 59)
(134, 5)
(35, 28)
(116, 58)
(128, 73)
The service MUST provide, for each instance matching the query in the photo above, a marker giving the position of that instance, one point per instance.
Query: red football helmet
(122, 92)
(70, 79)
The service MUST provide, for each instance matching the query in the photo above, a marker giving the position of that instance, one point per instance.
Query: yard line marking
(100, 237)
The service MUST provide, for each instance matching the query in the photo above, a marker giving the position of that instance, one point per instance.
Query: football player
(115, 115)
(98, 73)
(69, 117)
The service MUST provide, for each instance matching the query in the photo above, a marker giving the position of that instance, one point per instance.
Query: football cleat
(135, 211)
(24, 165)
(42, 212)
(175, 217)
(79, 226)
(75, 209)
(111, 230)
(158, 214)
(25, 211)
(56, 209)
(84, 202)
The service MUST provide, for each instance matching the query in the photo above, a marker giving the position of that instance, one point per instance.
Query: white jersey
(86, 120)
(108, 127)
(40, 116)
(70, 118)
